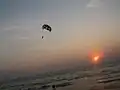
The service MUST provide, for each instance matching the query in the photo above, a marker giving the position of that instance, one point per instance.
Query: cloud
(94, 4)
(10, 28)
(23, 38)
(15, 28)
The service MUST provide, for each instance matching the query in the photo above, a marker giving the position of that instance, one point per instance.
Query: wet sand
(90, 84)
(81, 84)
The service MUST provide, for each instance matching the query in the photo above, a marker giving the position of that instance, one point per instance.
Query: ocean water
(104, 77)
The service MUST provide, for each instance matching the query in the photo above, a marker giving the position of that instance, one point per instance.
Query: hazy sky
(78, 26)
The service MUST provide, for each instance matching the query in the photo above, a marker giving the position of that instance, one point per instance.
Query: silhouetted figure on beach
(53, 87)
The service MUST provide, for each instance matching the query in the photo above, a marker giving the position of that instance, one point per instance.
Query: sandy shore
(81, 84)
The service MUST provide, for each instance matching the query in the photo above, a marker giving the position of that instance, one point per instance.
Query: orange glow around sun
(95, 57)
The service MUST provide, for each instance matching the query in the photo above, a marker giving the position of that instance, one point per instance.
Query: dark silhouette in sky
(42, 37)
(47, 27)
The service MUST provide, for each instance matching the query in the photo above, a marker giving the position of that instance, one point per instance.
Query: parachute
(46, 27)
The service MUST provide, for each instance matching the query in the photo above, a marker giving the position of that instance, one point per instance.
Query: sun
(96, 58)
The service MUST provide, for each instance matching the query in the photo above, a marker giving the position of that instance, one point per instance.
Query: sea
(105, 76)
